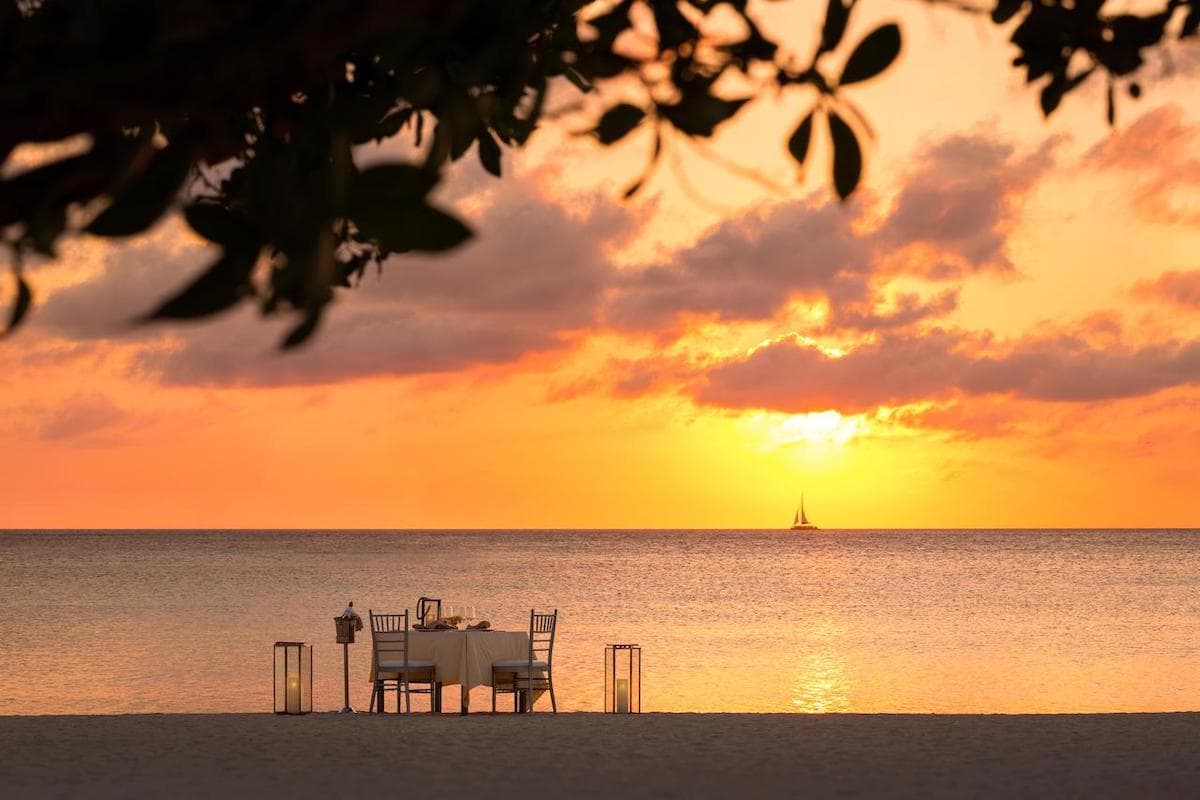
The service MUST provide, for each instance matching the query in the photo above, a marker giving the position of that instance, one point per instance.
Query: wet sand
(592, 755)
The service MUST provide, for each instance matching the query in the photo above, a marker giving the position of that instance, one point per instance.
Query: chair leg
(493, 691)
(407, 699)
(371, 707)
(550, 683)
(529, 692)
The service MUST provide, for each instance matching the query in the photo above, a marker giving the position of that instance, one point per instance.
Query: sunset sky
(1001, 329)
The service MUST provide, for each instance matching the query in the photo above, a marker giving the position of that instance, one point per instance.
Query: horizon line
(563, 529)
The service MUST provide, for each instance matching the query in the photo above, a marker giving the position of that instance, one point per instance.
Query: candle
(293, 695)
(622, 695)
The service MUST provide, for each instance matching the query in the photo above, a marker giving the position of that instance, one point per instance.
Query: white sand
(591, 755)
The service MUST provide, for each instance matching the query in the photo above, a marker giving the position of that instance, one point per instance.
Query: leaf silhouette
(299, 334)
(392, 182)
(618, 121)
(847, 156)
(20, 305)
(873, 55)
(800, 139)
(836, 16)
(412, 227)
(387, 203)
(673, 27)
(147, 196)
(1191, 23)
(698, 114)
(219, 287)
(216, 223)
(1005, 10)
(489, 153)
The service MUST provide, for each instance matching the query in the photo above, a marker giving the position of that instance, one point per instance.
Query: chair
(429, 610)
(523, 676)
(389, 643)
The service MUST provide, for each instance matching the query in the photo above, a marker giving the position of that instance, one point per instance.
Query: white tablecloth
(462, 657)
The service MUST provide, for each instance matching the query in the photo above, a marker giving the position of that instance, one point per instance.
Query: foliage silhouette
(247, 114)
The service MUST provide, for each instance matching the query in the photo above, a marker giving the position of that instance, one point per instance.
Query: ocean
(105, 622)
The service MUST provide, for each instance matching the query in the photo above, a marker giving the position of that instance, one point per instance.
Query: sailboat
(801, 523)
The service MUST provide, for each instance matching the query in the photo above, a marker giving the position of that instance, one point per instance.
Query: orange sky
(1003, 329)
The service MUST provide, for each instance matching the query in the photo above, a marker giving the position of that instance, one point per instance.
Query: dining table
(462, 657)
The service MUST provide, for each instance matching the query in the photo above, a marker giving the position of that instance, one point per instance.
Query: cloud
(539, 277)
(83, 415)
(1159, 150)
(749, 268)
(1181, 289)
(531, 276)
(960, 202)
(792, 375)
(907, 309)
(354, 343)
(951, 217)
(132, 279)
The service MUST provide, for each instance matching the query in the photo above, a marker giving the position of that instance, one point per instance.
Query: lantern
(293, 677)
(622, 679)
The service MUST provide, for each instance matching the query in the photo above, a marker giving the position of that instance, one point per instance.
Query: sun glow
(828, 428)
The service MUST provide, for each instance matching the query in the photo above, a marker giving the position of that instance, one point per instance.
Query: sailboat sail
(800, 521)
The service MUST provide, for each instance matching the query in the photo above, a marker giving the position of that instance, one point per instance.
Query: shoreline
(593, 755)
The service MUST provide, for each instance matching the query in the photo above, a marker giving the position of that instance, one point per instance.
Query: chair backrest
(429, 610)
(541, 635)
(393, 644)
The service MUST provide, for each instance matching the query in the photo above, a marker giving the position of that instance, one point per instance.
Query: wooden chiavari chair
(522, 677)
(391, 664)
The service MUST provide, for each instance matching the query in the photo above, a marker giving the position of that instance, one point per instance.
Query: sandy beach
(591, 755)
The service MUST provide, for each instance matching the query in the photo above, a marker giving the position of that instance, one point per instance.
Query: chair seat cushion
(398, 666)
(518, 664)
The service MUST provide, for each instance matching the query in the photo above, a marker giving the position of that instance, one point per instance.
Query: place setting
(457, 617)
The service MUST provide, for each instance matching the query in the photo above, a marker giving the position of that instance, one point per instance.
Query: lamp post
(346, 625)
(622, 679)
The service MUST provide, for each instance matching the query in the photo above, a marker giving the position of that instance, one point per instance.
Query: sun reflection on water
(820, 683)
(820, 680)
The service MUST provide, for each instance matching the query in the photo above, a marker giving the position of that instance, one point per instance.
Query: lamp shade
(293, 677)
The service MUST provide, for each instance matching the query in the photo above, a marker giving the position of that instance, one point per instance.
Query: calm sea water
(925, 621)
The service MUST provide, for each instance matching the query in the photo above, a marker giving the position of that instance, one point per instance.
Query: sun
(817, 428)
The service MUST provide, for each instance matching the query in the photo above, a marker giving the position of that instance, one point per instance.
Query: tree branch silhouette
(266, 100)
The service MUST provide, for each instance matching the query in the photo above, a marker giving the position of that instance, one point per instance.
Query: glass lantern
(622, 679)
(293, 677)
